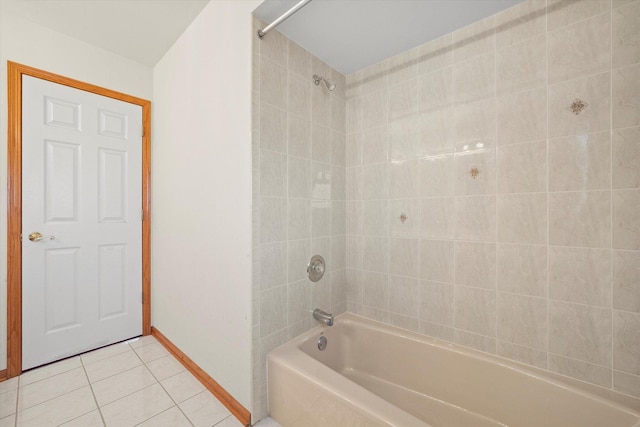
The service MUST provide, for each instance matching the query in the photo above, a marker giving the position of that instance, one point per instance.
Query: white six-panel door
(81, 190)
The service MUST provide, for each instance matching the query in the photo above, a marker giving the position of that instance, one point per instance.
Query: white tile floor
(135, 383)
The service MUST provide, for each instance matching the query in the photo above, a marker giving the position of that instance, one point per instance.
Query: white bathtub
(372, 374)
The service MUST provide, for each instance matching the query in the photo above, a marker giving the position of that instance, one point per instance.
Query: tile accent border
(239, 411)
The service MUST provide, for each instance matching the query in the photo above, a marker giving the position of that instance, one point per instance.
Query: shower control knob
(315, 268)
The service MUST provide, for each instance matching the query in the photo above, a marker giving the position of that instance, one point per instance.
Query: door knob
(36, 237)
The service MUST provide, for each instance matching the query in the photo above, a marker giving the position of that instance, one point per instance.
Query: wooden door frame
(15, 72)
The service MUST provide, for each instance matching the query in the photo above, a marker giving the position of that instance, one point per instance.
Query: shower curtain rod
(288, 13)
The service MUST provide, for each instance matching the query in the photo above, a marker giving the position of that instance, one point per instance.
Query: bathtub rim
(282, 354)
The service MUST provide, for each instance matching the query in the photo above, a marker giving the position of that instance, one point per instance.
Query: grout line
(611, 265)
(92, 392)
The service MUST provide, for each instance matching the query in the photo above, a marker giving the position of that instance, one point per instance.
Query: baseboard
(3, 375)
(239, 411)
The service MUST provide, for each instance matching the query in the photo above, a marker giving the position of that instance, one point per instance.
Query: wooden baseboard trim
(239, 411)
(3, 375)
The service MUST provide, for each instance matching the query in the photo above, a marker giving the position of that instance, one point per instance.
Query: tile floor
(134, 383)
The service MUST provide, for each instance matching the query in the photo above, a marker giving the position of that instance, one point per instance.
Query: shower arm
(288, 13)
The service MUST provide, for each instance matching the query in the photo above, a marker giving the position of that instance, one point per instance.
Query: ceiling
(141, 30)
(352, 34)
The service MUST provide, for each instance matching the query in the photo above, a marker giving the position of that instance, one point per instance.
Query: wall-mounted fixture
(328, 83)
(315, 268)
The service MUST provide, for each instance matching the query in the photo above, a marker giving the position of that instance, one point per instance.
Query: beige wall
(522, 231)
(201, 166)
(298, 193)
(30, 44)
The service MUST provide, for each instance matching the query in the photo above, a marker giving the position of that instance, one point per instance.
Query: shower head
(328, 83)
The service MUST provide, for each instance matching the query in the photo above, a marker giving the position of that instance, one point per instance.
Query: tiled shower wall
(492, 189)
(299, 196)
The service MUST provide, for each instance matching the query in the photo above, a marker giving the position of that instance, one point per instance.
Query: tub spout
(323, 316)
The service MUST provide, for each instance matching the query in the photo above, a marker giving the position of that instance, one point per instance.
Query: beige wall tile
(355, 251)
(320, 181)
(341, 84)
(626, 383)
(436, 260)
(273, 84)
(435, 90)
(474, 39)
(522, 168)
(580, 49)
(404, 296)
(476, 121)
(436, 132)
(522, 320)
(402, 135)
(273, 173)
(580, 219)
(626, 280)
(299, 60)
(520, 22)
(522, 218)
(299, 176)
(404, 259)
(353, 149)
(411, 225)
(404, 179)
(299, 96)
(626, 96)
(580, 275)
(475, 169)
(619, 3)
(626, 219)
(475, 310)
(522, 117)
(474, 79)
(320, 218)
(561, 13)
(375, 218)
(594, 91)
(338, 148)
(298, 301)
(475, 218)
(273, 265)
(402, 67)
(299, 137)
(592, 344)
(374, 109)
(475, 341)
(320, 143)
(275, 48)
(298, 219)
(436, 303)
(273, 219)
(353, 183)
(626, 158)
(626, 33)
(375, 254)
(522, 269)
(580, 162)
(584, 371)
(373, 78)
(338, 222)
(403, 100)
(522, 66)
(435, 218)
(435, 54)
(437, 176)
(353, 115)
(437, 331)
(404, 322)
(375, 182)
(529, 356)
(298, 255)
(475, 264)
(626, 342)
(375, 290)
(338, 183)
(375, 147)
(338, 119)
(273, 128)
(273, 310)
